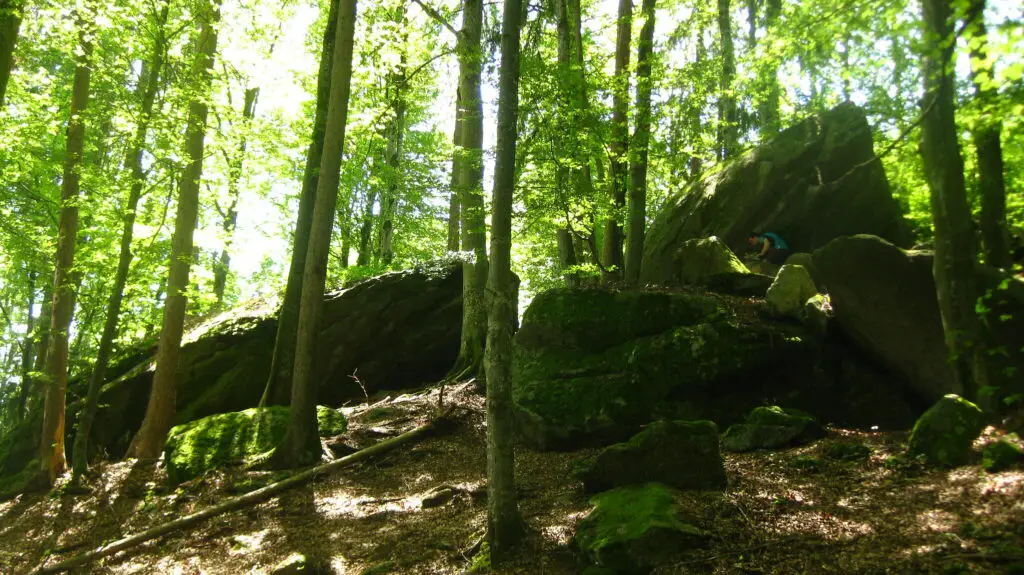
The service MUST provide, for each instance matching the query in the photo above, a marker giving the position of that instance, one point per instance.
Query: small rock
(1002, 454)
(944, 434)
(697, 260)
(790, 291)
(682, 454)
(771, 428)
(294, 563)
(817, 314)
(847, 451)
(633, 529)
(438, 497)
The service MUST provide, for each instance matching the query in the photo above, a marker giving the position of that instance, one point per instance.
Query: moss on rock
(771, 428)
(237, 437)
(1002, 454)
(633, 529)
(790, 291)
(944, 434)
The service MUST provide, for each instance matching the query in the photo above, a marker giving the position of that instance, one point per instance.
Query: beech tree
(51, 444)
(728, 129)
(10, 24)
(504, 526)
(619, 146)
(301, 444)
(954, 267)
(639, 146)
(149, 441)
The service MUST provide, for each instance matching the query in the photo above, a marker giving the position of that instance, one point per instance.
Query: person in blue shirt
(774, 249)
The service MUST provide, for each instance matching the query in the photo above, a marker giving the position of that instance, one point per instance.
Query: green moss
(944, 434)
(380, 568)
(233, 438)
(629, 519)
(770, 428)
(806, 462)
(847, 451)
(481, 562)
(1002, 454)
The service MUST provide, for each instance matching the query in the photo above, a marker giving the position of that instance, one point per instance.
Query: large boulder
(696, 261)
(238, 437)
(884, 298)
(681, 454)
(394, 331)
(816, 181)
(944, 434)
(633, 529)
(592, 366)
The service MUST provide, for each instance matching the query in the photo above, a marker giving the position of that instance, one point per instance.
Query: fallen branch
(244, 500)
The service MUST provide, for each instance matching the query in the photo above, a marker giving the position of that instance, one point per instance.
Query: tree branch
(433, 13)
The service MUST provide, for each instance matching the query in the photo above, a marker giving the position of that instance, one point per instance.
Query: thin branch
(433, 13)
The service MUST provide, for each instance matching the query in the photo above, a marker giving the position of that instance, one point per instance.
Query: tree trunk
(954, 235)
(987, 134)
(279, 382)
(619, 143)
(504, 526)
(639, 146)
(301, 443)
(27, 349)
(51, 444)
(728, 133)
(395, 149)
(454, 212)
(235, 164)
(149, 441)
(769, 112)
(366, 229)
(133, 159)
(10, 25)
(474, 232)
(569, 141)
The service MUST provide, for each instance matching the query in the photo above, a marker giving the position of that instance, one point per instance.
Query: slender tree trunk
(149, 441)
(639, 146)
(27, 349)
(395, 150)
(133, 160)
(474, 233)
(10, 25)
(366, 230)
(769, 112)
(51, 445)
(301, 443)
(504, 526)
(454, 211)
(728, 133)
(235, 164)
(279, 382)
(954, 235)
(567, 79)
(619, 143)
(987, 134)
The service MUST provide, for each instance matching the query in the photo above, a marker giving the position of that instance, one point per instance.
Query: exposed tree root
(247, 499)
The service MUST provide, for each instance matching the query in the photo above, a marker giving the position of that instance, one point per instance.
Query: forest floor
(420, 509)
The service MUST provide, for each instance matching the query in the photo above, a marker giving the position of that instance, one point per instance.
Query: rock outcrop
(816, 181)
(696, 261)
(681, 454)
(884, 298)
(393, 331)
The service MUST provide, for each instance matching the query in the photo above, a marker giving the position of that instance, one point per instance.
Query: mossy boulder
(633, 529)
(790, 291)
(815, 181)
(1002, 454)
(696, 261)
(592, 366)
(771, 428)
(681, 454)
(234, 438)
(944, 434)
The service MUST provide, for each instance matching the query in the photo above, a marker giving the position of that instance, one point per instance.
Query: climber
(773, 248)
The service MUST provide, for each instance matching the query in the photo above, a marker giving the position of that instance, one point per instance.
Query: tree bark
(366, 229)
(639, 146)
(569, 142)
(769, 112)
(395, 150)
(10, 25)
(149, 441)
(987, 134)
(27, 349)
(301, 444)
(133, 159)
(728, 133)
(504, 526)
(279, 382)
(954, 236)
(51, 445)
(474, 232)
(619, 144)
(454, 211)
(230, 221)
